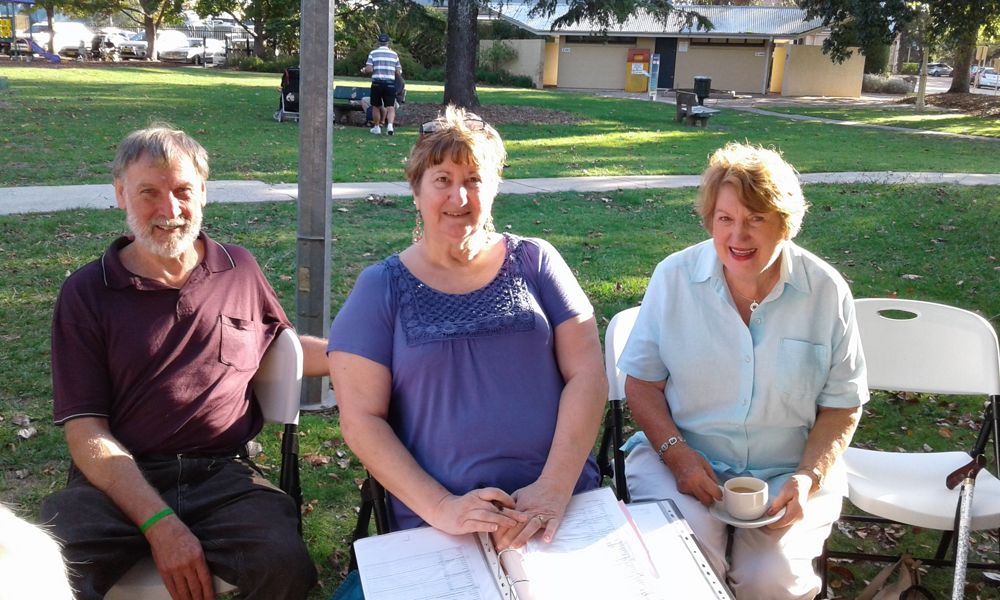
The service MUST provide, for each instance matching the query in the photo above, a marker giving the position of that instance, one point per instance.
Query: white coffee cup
(745, 498)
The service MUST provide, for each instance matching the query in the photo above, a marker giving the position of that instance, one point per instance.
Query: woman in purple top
(467, 367)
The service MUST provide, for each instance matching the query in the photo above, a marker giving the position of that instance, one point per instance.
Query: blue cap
(383, 38)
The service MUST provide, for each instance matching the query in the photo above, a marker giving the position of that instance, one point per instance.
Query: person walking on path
(384, 66)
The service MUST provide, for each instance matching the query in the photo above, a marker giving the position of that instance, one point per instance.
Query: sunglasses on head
(471, 123)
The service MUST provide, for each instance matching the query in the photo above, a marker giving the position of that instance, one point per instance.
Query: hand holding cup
(745, 498)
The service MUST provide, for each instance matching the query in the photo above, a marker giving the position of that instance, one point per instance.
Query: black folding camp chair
(288, 104)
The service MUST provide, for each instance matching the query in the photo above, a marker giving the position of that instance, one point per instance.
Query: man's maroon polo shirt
(169, 368)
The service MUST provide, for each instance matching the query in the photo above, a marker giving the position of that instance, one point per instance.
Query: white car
(987, 77)
(69, 37)
(166, 39)
(197, 51)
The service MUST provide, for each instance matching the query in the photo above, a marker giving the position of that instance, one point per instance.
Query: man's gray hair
(162, 143)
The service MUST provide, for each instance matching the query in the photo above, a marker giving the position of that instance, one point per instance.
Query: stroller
(288, 104)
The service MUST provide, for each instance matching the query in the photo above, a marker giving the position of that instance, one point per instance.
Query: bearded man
(153, 348)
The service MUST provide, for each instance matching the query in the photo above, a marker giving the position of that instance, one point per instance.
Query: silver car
(197, 51)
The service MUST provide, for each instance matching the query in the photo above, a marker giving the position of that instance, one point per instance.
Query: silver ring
(541, 519)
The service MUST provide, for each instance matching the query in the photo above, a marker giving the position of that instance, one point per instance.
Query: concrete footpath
(14, 200)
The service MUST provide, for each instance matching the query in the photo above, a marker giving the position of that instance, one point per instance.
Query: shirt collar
(709, 267)
(116, 276)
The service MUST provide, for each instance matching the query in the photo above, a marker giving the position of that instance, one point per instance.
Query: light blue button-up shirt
(746, 396)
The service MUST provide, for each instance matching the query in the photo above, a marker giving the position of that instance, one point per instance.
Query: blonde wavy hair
(764, 183)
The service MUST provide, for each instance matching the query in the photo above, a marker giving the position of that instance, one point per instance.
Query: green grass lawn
(874, 234)
(905, 116)
(62, 125)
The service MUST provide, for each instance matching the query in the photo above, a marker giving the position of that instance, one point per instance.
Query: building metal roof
(728, 21)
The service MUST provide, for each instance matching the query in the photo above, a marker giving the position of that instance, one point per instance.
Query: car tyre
(196, 61)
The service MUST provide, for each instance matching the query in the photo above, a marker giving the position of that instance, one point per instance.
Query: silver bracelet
(667, 445)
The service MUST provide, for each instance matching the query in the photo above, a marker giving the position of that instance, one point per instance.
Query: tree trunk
(259, 49)
(921, 83)
(965, 51)
(50, 13)
(150, 28)
(460, 62)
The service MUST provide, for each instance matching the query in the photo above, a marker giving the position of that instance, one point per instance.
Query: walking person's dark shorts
(383, 93)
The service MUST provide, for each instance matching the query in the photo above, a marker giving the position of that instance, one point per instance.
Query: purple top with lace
(475, 383)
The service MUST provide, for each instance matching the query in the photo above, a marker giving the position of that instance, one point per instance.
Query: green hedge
(910, 69)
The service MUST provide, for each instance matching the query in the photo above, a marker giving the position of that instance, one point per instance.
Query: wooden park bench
(347, 99)
(692, 113)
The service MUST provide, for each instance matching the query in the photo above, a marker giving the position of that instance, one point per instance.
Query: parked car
(69, 37)
(197, 51)
(166, 39)
(987, 77)
(939, 69)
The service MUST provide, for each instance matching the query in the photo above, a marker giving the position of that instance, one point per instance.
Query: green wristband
(152, 520)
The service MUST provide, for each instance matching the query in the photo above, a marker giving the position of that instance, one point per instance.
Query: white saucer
(720, 513)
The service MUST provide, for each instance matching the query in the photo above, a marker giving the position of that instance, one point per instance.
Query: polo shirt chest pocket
(238, 345)
(802, 371)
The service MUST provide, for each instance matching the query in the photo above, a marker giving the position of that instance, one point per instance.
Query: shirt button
(756, 321)
(746, 358)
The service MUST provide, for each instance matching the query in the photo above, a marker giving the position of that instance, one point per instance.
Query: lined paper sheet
(424, 564)
(672, 547)
(596, 555)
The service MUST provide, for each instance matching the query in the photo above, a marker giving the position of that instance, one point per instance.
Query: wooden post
(315, 178)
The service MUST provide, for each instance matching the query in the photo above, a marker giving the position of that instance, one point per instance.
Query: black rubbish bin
(702, 87)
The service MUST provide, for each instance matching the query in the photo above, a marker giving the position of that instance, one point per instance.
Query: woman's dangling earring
(488, 226)
(418, 228)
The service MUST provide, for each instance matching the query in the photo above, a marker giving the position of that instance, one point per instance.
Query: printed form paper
(424, 564)
(596, 554)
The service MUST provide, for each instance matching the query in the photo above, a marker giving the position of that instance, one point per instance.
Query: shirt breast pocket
(238, 343)
(801, 373)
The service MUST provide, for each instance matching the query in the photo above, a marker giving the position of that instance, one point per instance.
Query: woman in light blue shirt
(745, 360)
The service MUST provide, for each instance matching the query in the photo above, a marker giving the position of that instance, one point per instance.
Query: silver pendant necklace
(754, 305)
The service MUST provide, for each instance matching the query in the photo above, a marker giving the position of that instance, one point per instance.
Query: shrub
(877, 59)
(496, 56)
(910, 69)
(275, 65)
(502, 77)
(883, 84)
(434, 74)
(350, 64)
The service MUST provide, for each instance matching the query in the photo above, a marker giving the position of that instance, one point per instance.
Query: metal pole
(315, 179)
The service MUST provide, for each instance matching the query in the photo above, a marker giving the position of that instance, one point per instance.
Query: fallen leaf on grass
(911, 277)
(316, 460)
(22, 473)
(26, 432)
(21, 420)
(945, 433)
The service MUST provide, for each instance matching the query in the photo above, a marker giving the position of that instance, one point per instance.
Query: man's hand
(693, 474)
(793, 496)
(180, 560)
(486, 509)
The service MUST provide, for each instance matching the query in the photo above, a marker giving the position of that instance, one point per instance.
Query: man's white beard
(175, 245)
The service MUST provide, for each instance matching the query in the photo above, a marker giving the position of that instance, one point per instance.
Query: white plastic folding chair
(276, 387)
(927, 348)
(610, 458)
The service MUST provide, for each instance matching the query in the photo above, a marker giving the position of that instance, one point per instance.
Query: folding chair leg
(822, 565)
(289, 480)
(618, 423)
